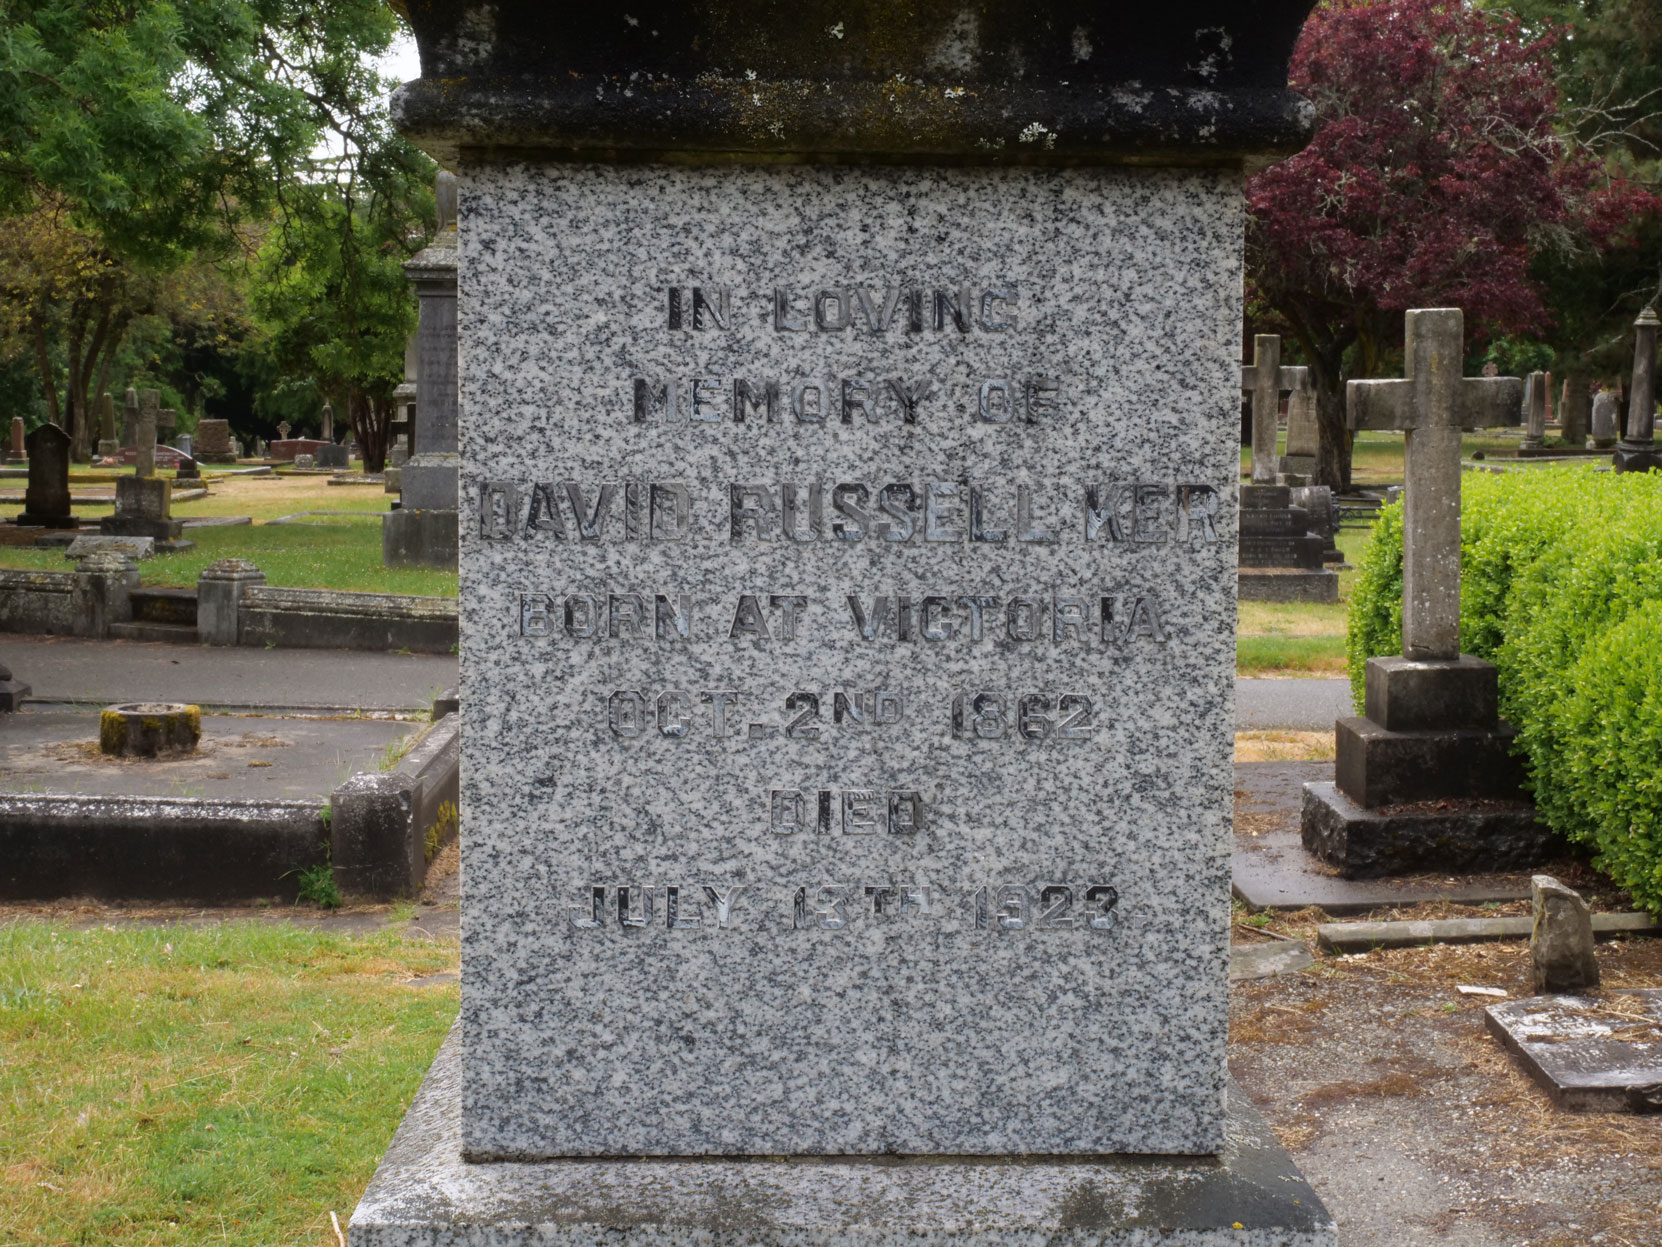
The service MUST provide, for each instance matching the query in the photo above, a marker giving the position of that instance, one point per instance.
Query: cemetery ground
(310, 551)
(235, 1075)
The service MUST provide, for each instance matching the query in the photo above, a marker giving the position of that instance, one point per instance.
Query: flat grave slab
(132, 547)
(1263, 961)
(1600, 1053)
(264, 758)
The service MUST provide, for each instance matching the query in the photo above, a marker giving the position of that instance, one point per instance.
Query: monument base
(1459, 834)
(425, 1195)
(31, 519)
(412, 538)
(1269, 584)
(1635, 457)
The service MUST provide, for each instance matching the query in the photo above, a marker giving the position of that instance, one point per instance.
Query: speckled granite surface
(424, 1195)
(667, 950)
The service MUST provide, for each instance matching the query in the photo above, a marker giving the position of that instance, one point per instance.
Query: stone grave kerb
(1637, 450)
(1266, 381)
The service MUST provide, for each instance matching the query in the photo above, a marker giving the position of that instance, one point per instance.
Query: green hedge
(1561, 588)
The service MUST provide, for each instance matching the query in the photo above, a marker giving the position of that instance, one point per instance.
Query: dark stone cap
(1054, 82)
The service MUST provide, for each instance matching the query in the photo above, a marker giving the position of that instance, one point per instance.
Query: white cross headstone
(1431, 405)
(1266, 380)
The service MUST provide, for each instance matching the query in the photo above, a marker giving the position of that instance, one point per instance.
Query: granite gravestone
(46, 499)
(847, 643)
(17, 451)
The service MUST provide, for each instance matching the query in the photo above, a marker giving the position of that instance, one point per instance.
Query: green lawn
(325, 552)
(194, 1085)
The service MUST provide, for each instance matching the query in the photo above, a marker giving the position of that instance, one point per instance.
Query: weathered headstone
(333, 455)
(167, 419)
(1574, 411)
(423, 530)
(1280, 557)
(144, 501)
(17, 451)
(1431, 733)
(327, 432)
(1298, 464)
(1561, 954)
(144, 432)
(848, 643)
(1637, 451)
(183, 444)
(1606, 428)
(213, 442)
(109, 444)
(46, 499)
(1265, 380)
(1535, 411)
(129, 419)
(305, 462)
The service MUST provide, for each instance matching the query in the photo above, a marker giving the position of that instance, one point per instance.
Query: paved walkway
(101, 672)
(1288, 705)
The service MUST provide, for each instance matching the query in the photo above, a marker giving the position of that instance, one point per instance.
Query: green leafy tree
(148, 129)
(330, 292)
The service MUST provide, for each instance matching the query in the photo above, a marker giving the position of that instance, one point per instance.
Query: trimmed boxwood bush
(1561, 588)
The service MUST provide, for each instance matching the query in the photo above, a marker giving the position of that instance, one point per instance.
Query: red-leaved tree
(1437, 173)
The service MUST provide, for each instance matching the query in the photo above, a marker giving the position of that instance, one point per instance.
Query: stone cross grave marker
(129, 418)
(1266, 380)
(144, 432)
(1430, 406)
(283, 429)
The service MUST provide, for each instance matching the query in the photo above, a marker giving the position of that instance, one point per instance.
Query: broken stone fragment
(1561, 943)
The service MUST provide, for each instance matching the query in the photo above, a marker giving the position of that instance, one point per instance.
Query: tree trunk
(48, 382)
(76, 410)
(369, 418)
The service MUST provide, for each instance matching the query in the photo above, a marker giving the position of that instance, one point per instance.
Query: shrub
(1561, 588)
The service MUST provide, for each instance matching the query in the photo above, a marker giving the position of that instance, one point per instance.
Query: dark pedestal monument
(847, 638)
(1637, 451)
(213, 442)
(46, 501)
(1426, 780)
(421, 532)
